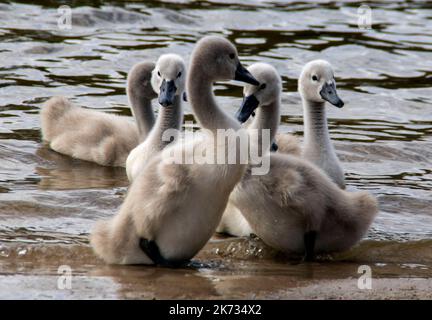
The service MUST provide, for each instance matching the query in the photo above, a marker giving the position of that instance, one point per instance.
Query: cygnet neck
(204, 106)
(267, 118)
(143, 113)
(316, 132)
(170, 117)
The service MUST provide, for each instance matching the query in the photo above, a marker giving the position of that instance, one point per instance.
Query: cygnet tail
(364, 208)
(52, 111)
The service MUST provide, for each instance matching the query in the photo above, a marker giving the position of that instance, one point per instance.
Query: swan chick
(168, 79)
(317, 86)
(296, 207)
(172, 209)
(99, 137)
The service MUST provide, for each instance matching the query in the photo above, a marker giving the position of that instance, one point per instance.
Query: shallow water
(383, 135)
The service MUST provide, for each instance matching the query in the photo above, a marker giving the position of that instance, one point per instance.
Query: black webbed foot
(151, 249)
(309, 242)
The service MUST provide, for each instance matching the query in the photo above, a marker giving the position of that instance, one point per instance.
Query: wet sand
(227, 268)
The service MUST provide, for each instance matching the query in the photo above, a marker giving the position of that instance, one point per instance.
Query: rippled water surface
(383, 135)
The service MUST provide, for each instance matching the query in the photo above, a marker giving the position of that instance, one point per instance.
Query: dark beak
(247, 108)
(242, 74)
(274, 147)
(167, 93)
(329, 93)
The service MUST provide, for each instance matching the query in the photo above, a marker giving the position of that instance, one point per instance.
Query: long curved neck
(143, 113)
(203, 104)
(267, 118)
(170, 117)
(316, 132)
(318, 146)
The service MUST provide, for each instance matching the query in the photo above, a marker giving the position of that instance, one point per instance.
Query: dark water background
(383, 135)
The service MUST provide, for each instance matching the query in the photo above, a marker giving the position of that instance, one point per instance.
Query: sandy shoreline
(383, 289)
(230, 269)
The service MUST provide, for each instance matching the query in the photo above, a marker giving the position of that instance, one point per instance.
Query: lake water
(383, 136)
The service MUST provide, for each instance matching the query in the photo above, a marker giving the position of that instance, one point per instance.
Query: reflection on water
(66, 173)
(383, 134)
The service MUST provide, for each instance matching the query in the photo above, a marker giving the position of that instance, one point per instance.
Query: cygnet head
(139, 81)
(169, 78)
(260, 96)
(317, 83)
(218, 60)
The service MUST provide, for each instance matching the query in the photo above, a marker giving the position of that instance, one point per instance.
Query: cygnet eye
(179, 74)
(232, 55)
(263, 86)
(159, 73)
(314, 78)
